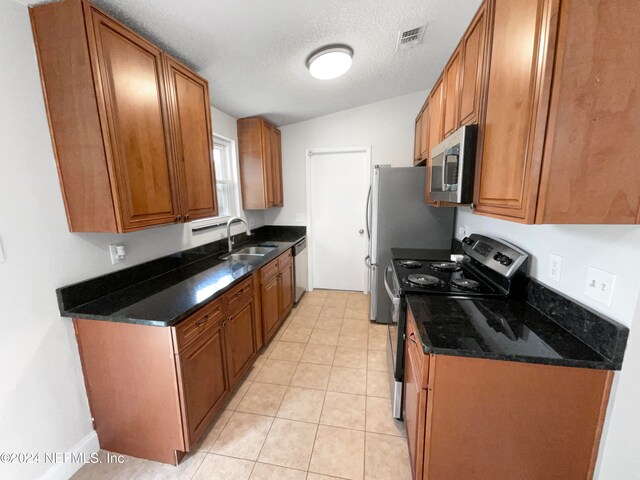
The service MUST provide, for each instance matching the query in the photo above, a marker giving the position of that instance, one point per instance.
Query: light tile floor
(316, 405)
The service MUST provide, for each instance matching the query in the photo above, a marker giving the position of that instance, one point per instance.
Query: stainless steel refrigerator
(398, 217)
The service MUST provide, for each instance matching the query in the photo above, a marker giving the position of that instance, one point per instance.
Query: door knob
(361, 231)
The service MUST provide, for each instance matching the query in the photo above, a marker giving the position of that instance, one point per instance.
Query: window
(226, 182)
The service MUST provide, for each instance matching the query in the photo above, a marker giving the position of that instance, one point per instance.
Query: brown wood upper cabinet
(452, 86)
(417, 150)
(421, 138)
(436, 114)
(471, 75)
(558, 108)
(190, 115)
(260, 150)
(130, 127)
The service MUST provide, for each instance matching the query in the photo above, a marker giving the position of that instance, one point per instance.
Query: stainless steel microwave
(452, 166)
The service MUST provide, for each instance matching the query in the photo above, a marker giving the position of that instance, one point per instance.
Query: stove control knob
(506, 261)
(467, 241)
(497, 257)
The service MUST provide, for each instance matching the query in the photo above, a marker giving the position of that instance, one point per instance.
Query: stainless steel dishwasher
(300, 268)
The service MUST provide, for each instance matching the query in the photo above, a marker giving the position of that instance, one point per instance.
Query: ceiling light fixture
(330, 62)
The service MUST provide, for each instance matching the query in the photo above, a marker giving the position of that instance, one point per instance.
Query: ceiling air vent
(410, 38)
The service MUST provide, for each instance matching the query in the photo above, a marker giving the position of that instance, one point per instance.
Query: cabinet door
(276, 162)
(270, 307)
(202, 382)
(417, 145)
(414, 412)
(191, 126)
(267, 162)
(452, 86)
(133, 91)
(436, 114)
(505, 178)
(472, 63)
(424, 135)
(285, 290)
(239, 340)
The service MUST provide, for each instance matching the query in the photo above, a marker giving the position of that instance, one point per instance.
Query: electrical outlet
(251, 222)
(117, 252)
(555, 267)
(462, 231)
(299, 217)
(599, 285)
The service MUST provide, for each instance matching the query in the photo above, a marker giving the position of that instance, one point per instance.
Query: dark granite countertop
(539, 325)
(165, 291)
(501, 329)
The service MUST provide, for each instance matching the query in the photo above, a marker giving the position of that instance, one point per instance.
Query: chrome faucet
(231, 220)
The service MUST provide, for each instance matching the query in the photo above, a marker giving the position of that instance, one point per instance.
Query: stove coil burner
(465, 284)
(409, 264)
(424, 280)
(445, 267)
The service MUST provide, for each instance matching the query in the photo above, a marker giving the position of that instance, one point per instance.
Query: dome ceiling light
(330, 62)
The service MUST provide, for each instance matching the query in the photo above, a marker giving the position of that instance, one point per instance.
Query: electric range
(489, 268)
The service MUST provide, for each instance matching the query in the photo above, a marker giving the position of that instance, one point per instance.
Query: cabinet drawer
(269, 270)
(187, 331)
(239, 295)
(284, 259)
(414, 349)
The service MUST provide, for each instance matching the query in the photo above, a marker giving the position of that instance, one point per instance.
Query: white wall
(387, 126)
(616, 249)
(43, 405)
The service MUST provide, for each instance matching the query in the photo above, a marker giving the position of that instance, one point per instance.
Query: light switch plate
(555, 267)
(599, 285)
(462, 231)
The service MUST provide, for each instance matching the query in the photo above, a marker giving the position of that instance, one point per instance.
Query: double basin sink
(249, 253)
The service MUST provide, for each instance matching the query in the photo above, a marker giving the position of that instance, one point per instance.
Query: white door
(338, 184)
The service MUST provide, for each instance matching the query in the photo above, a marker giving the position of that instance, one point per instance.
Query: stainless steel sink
(248, 253)
(260, 251)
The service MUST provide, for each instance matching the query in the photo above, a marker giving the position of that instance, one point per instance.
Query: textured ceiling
(253, 52)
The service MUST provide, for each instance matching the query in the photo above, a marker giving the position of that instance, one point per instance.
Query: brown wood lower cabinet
(202, 381)
(481, 419)
(270, 311)
(153, 391)
(277, 293)
(240, 346)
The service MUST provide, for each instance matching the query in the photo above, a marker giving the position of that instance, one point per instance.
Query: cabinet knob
(186, 217)
(178, 218)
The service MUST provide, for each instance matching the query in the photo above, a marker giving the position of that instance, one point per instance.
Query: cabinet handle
(202, 321)
(178, 218)
(186, 217)
(237, 294)
(229, 318)
(412, 337)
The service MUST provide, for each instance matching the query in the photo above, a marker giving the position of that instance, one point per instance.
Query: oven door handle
(394, 300)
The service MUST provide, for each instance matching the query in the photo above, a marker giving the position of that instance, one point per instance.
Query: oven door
(395, 343)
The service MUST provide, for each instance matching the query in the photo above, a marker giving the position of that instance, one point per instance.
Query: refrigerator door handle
(367, 213)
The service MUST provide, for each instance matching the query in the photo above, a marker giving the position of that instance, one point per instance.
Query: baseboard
(64, 471)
